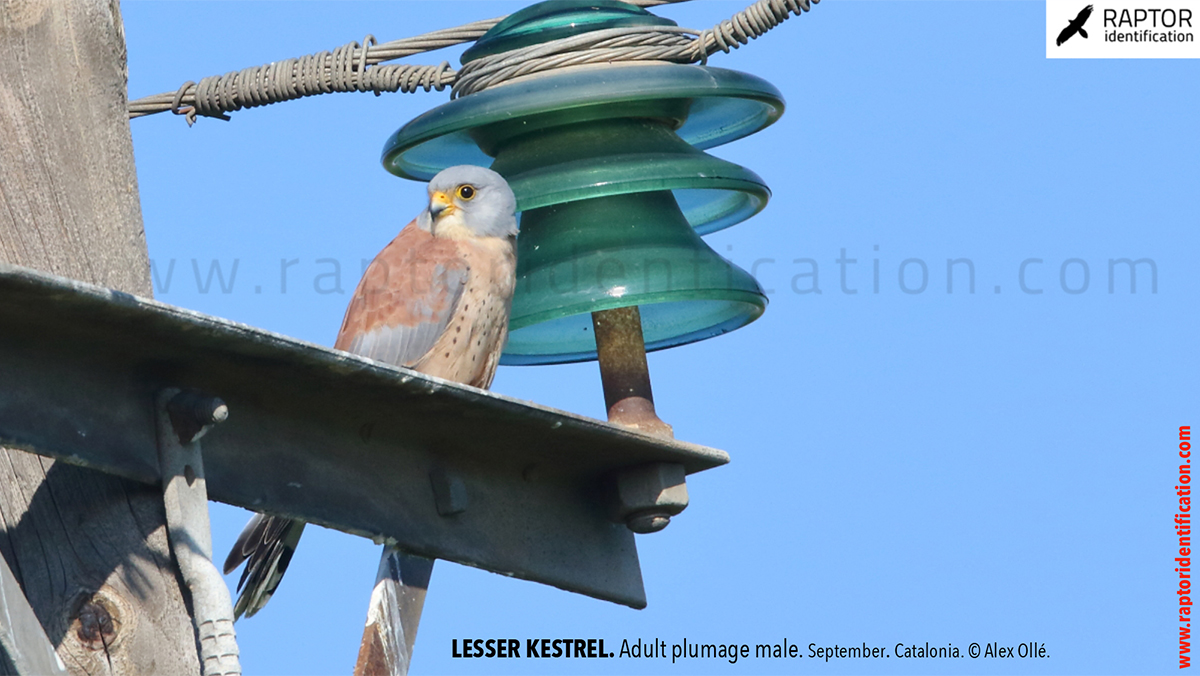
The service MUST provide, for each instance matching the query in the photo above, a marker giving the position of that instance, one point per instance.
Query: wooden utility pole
(90, 550)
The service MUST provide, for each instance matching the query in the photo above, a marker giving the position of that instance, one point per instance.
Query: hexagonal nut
(647, 496)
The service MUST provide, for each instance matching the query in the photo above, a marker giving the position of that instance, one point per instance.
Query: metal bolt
(649, 522)
(648, 496)
(193, 413)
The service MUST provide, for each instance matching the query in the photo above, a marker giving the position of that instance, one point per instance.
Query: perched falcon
(435, 300)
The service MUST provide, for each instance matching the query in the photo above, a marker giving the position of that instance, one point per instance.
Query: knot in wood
(97, 629)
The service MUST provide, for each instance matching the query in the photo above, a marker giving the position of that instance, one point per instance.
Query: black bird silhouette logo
(1076, 26)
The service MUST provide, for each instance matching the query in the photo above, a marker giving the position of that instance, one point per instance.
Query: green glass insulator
(695, 107)
(608, 252)
(608, 165)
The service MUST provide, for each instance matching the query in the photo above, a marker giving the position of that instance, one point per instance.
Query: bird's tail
(266, 545)
(1083, 32)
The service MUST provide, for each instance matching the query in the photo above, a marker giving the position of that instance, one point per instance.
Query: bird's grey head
(469, 201)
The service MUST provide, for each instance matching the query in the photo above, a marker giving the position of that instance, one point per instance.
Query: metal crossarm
(440, 469)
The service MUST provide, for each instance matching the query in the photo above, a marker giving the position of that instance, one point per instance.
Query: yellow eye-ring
(466, 192)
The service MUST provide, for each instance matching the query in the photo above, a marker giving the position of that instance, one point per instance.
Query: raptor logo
(1076, 26)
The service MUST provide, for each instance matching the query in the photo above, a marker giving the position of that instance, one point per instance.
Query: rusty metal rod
(624, 372)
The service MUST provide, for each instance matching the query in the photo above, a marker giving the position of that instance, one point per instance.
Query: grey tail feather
(266, 544)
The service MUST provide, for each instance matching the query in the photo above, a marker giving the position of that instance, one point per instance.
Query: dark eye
(466, 192)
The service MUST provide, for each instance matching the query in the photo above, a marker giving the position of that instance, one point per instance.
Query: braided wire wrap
(634, 43)
(355, 67)
(750, 23)
(611, 45)
(313, 74)
(345, 69)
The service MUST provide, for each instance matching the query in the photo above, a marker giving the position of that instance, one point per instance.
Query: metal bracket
(184, 417)
(439, 469)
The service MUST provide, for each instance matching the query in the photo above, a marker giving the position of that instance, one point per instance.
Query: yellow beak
(440, 202)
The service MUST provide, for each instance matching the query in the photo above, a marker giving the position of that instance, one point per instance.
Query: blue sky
(935, 467)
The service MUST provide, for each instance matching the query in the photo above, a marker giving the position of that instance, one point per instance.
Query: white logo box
(1125, 29)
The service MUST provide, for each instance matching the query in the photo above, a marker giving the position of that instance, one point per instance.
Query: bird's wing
(1083, 15)
(405, 299)
(244, 546)
(267, 542)
(400, 308)
(399, 311)
(1065, 34)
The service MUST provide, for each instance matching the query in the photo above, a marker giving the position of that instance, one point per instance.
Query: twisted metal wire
(345, 69)
(750, 23)
(355, 67)
(611, 45)
(349, 68)
(615, 45)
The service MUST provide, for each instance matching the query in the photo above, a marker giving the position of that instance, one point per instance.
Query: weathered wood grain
(89, 550)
